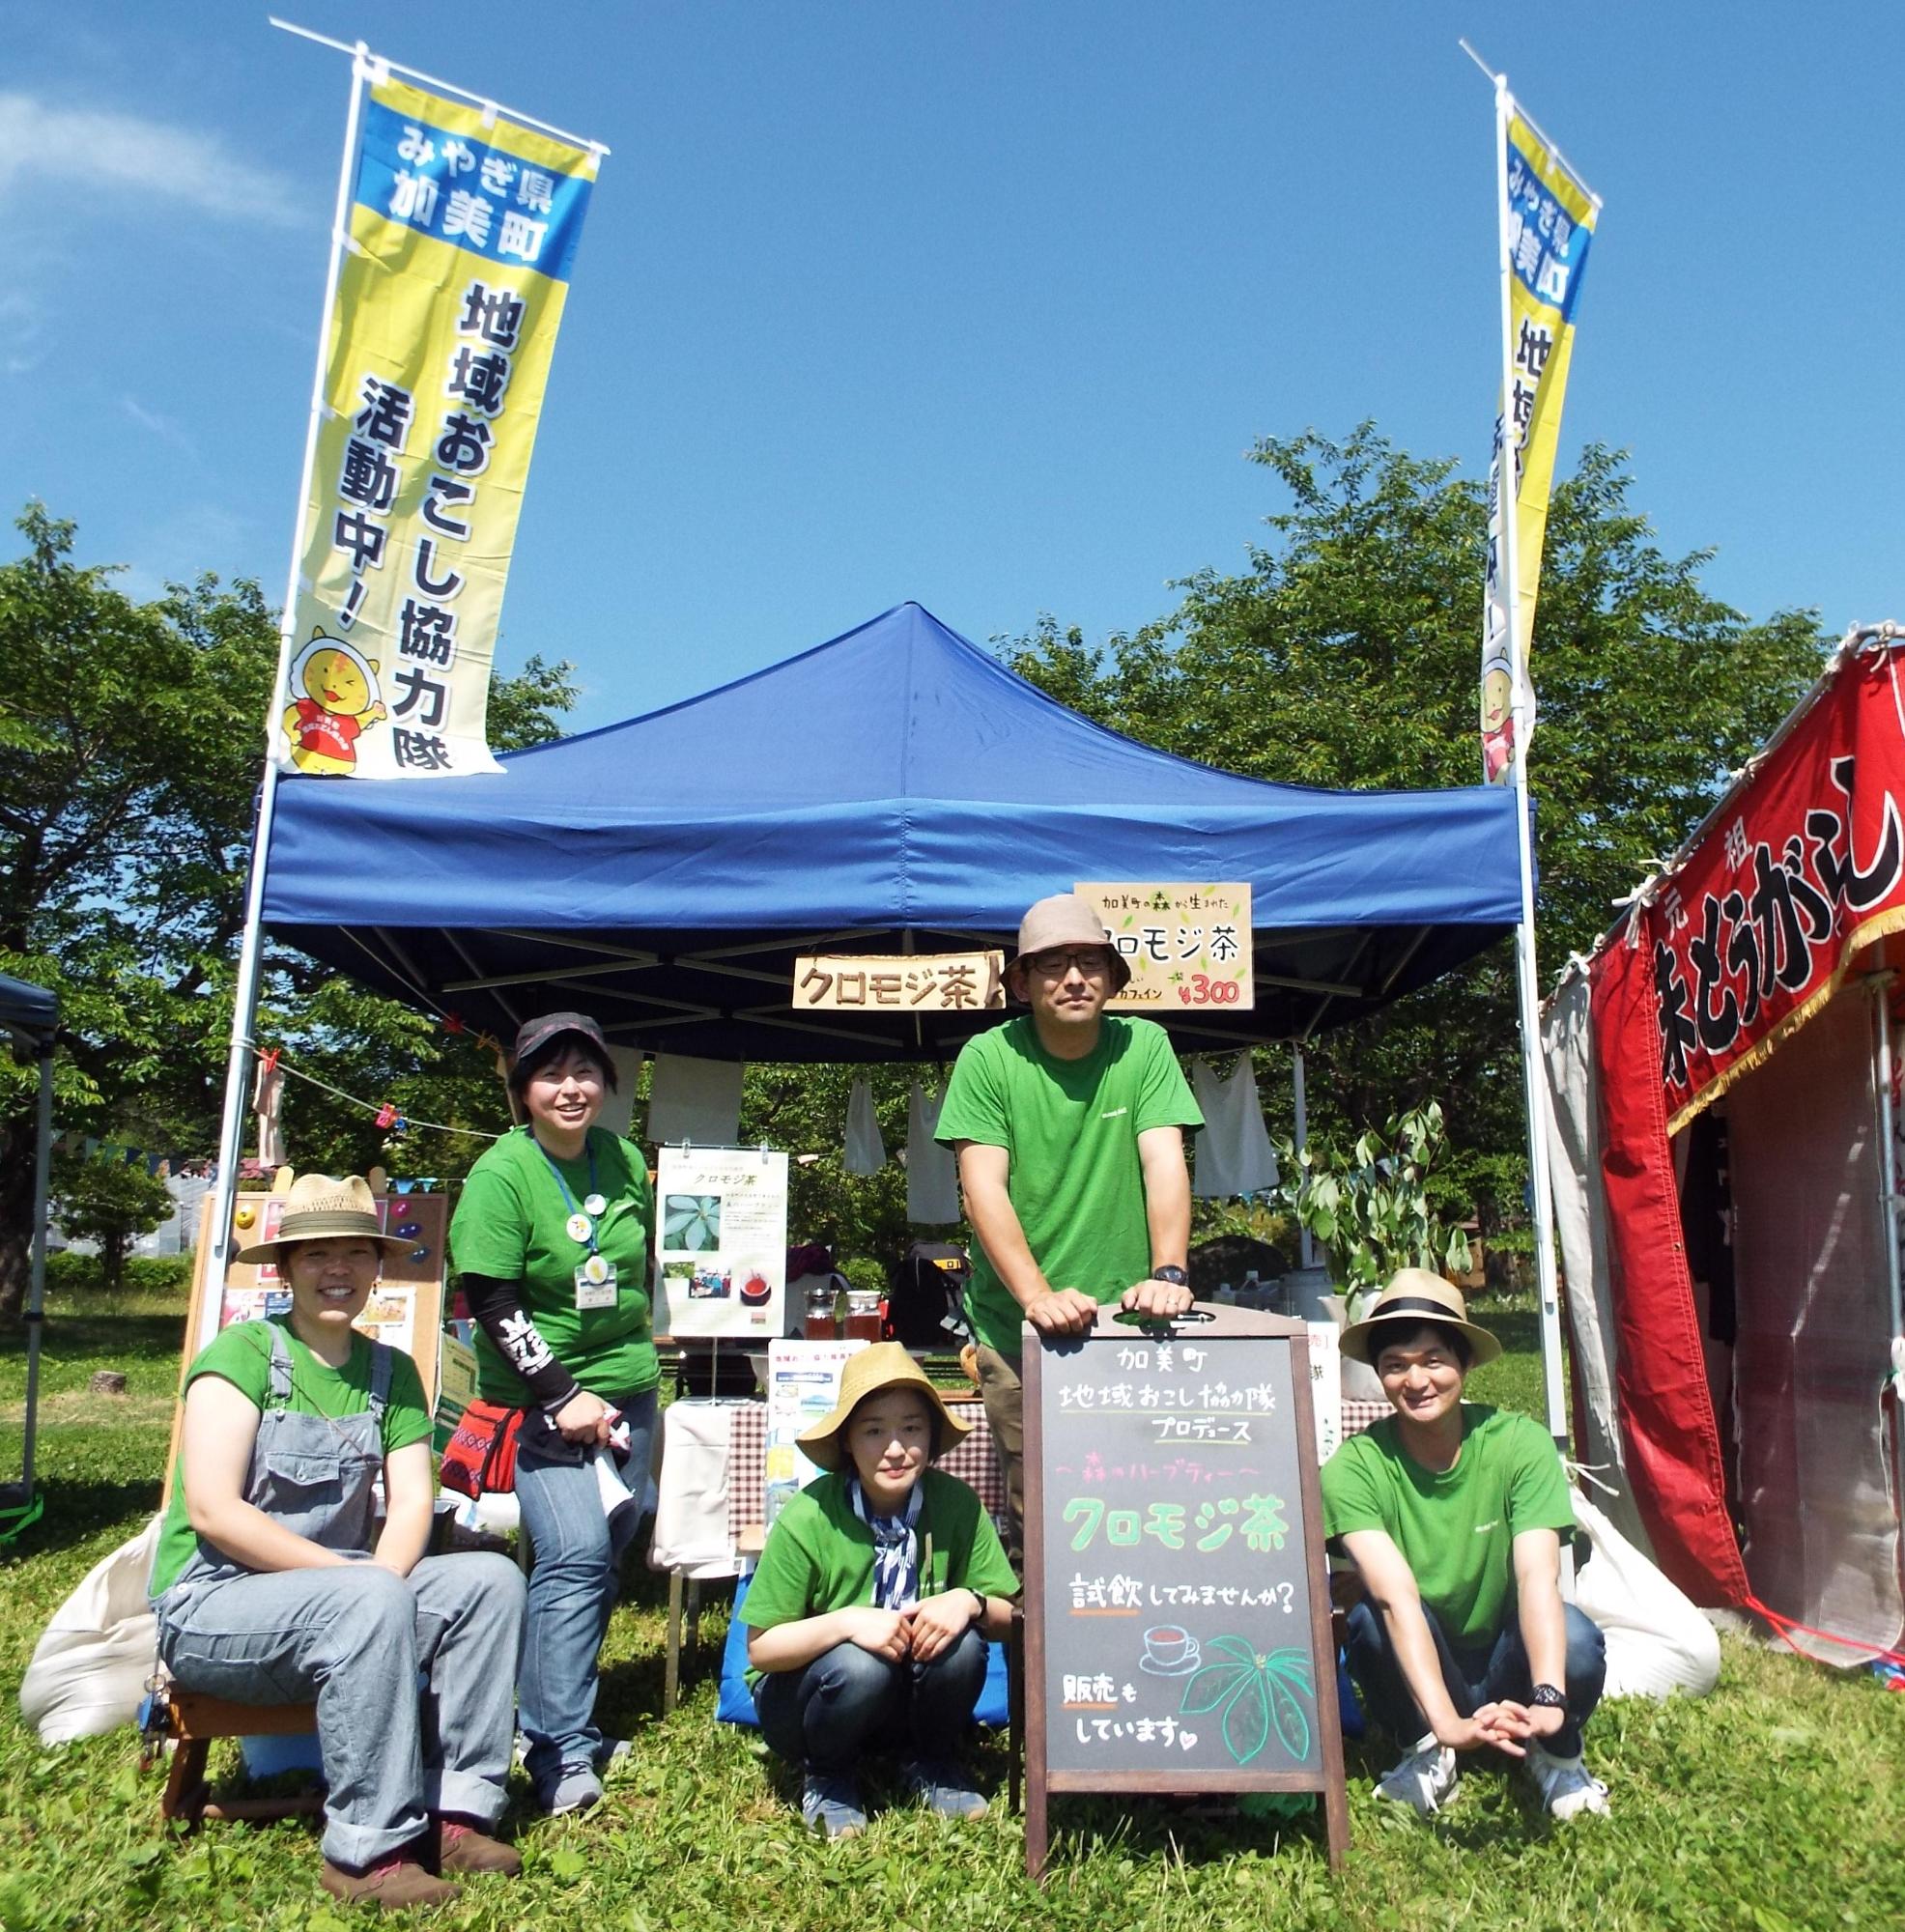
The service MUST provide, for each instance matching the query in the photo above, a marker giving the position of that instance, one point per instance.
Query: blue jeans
(353, 1639)
(572, 1585)
(826, 1716)
(1473, 1677)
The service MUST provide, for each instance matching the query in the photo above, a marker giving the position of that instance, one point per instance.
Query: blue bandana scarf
(896, 1549)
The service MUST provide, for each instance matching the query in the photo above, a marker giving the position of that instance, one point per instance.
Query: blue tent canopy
(893, 789)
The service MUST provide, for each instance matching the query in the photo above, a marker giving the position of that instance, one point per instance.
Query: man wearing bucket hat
(868, 1612)
(1069, 1126)
(1454, 1514)
(274, 1582)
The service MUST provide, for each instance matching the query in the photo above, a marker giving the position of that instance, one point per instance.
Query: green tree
(1347, 656)
(131, 745)
(110, 1202)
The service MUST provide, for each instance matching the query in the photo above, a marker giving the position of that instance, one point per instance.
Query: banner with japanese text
(1548, 223)
(462, 238)
(1747, 938)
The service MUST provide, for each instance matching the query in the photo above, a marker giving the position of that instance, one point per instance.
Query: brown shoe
(461, 1847)
(390, 1883)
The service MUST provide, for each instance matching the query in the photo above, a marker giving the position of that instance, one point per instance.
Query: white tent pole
(1527, 977)
(245, 994)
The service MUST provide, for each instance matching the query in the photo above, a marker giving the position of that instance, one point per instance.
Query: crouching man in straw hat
(1069, 1126)
(868, 1613)
(1454, 1515)
(274, 1583)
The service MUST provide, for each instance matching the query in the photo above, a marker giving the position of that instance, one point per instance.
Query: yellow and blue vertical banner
(462, 237)
(1547, 224)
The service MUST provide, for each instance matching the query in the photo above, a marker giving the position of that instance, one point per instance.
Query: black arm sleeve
(497, 1306)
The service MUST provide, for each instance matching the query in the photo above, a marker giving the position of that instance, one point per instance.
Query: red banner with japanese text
(1806, 864)
(1724, 958)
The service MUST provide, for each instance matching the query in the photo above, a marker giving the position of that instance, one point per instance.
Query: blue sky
(980, 303)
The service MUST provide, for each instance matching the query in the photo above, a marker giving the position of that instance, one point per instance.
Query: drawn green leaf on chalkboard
(1247, 1718)
(1287, 1688)
(1238, 1649)
(1213, 1685)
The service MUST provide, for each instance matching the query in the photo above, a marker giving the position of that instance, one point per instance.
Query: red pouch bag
(480, 1457)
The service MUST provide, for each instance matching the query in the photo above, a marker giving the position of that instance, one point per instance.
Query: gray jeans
(354, 1639)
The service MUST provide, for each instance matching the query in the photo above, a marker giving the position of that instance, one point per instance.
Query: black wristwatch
(1172, 1273)
(978, 1615)
(1547, 1697)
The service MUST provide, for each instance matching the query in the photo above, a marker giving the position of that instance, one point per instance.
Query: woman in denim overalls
(274, 1582)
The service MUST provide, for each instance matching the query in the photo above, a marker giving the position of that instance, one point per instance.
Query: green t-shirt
(819, 1556)
(242, 1356)
(1455, 1529)
(1070, 1129)
(512, 1223)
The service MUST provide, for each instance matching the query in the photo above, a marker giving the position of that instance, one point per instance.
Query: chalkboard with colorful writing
(1177, 1634)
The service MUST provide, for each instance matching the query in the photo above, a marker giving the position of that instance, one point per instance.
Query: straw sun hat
(321, 1209)
(884, 1366)
(1412, 1297)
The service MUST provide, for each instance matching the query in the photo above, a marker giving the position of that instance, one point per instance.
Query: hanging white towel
(618, 1105)
(695, 1100)
(932, 1174)
(865, 1152)
(1234, 1151)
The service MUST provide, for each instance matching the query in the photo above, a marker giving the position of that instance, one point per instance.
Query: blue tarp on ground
(894, 781)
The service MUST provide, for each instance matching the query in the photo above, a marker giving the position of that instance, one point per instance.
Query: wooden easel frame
(1040, 1784)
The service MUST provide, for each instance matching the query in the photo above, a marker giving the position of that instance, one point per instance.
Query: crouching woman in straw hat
(1454, 1514)
(274, 1584)
(868, 1615)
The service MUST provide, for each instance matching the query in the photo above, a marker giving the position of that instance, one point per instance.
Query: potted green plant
(1371, 1207)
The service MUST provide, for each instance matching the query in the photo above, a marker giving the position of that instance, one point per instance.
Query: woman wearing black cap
(552, 1239)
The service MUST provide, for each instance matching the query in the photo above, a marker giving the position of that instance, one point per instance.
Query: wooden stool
(194, 1721)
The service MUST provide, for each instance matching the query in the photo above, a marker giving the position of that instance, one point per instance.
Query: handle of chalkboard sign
(1131, 1318)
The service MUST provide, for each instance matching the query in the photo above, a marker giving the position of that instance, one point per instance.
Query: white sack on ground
(88, 1671)
(1657, 1642)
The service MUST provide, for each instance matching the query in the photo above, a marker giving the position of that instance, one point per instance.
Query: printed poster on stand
(803, 1385)
(722, 1242)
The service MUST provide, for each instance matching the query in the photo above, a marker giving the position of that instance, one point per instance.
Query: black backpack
(926, 1306)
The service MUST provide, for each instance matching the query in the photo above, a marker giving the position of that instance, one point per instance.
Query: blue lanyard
(568, 1198)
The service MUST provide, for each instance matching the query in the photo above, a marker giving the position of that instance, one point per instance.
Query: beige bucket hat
(871, 1372)
(1415, 1296)
(1068, 919)
(320, 1208)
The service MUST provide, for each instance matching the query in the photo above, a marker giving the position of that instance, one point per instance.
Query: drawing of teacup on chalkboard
(1170, 1651)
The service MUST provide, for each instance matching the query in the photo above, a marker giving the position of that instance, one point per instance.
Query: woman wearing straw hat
(868, 1613)
(273, 1582)
(1454, 1514)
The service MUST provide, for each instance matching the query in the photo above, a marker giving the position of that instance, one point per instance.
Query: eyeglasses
(1093, 961)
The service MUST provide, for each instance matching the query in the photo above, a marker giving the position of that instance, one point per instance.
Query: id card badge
(595, 1282)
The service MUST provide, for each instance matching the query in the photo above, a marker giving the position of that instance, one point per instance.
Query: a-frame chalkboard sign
(1177, 1624)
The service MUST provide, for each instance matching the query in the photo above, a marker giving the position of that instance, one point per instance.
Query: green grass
(1773, 1804)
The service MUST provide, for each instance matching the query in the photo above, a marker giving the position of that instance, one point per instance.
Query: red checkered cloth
(1358, 1415)
(972, 1462)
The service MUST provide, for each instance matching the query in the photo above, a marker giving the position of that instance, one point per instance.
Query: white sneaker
(1424, 1781)
(1565, 1788)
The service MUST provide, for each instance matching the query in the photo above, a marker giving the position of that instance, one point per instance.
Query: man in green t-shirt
(1068, 1127)
(1453, 1515)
